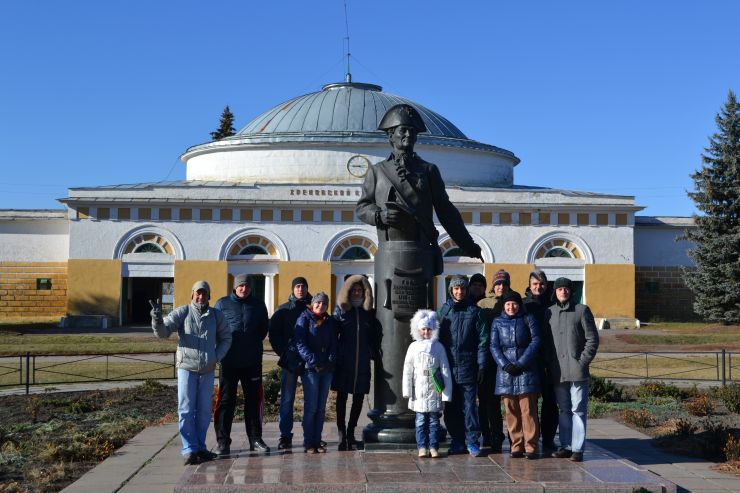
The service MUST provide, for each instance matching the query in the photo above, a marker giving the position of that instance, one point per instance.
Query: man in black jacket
(247, 317)
(536, 303)
(282, 325)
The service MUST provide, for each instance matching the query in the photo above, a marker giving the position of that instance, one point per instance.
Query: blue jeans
(427, 430)
(194, 402)
(461, 415)
(315, 391)
(573, 403)
(288, 382)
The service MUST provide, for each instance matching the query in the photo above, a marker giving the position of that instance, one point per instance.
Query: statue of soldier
(399, 197)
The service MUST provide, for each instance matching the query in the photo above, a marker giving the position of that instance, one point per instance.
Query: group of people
(500, 347)
(325, 351)
(479, 349)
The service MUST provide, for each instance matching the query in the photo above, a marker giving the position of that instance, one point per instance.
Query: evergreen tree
(226, 127)
(716, 279)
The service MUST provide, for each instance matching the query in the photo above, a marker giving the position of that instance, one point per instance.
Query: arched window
(356, 253)
(559, 248)
(149, 243)
(454, 252)
(253, 245)
(354, 248)
(148, 248)
(253, 250)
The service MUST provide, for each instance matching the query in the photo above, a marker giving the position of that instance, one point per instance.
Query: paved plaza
(617, 459)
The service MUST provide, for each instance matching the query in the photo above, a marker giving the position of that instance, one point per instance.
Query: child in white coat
(426, 380)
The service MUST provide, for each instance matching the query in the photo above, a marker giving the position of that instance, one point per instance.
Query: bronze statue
(399, 197)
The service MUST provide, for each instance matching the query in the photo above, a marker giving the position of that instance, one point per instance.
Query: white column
(270, 293)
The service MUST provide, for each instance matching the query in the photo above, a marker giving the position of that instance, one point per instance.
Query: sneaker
(206, 456)
(562, 453)
(259, 445)
(423, 452)
(474, 450)
(516, 455)
(320, 449)
(192, 459)
(285, 443)
(222, 450)
(311, 450)
(576, 457)
(455, 448)
(434, 453)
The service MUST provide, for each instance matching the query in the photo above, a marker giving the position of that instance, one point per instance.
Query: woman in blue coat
(514, 343)
(316, 341)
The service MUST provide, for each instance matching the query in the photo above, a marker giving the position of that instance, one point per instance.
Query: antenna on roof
(348, 77)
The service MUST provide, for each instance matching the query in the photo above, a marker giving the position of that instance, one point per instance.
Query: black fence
(55, 369)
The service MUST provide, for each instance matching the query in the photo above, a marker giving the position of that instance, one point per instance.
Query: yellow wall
(610, 290)
(189, 271)
(19, 296)
(519, 275)
(93, 287)
(318, 275)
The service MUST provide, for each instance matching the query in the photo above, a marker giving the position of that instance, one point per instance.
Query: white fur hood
(424, 318)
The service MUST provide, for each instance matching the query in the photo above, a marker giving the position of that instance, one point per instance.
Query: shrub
(597, 409)
(640, 417)
(702, 405)
(649, 388)
(271, 386)
(151, 386)
(730, 395)
(732, 449)
(600, 389)
(684, 427)
(713, 437)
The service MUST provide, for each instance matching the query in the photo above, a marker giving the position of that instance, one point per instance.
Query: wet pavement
(617, 459)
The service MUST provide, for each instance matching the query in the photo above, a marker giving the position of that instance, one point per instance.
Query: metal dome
(342, 107)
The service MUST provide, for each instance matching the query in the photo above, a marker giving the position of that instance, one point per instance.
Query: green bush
(597, 409)
(650, 388)
(600, 389)
(730, 395)
(271, 386)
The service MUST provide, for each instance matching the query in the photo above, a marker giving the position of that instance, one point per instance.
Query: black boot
(342, 437)
(351, 442)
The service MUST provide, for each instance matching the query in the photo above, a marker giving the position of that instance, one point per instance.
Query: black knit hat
(512, 296)
(480, 278)
(563, 282)
(297, 281)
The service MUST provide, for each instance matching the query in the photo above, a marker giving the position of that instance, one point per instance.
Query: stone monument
(399, 197)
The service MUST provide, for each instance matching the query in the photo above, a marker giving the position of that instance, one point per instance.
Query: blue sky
(614, 97)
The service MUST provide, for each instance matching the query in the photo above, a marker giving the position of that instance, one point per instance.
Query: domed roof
(343, 113)
(342, 107)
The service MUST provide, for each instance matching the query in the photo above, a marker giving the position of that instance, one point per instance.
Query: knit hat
(563, 282)
(299, 280)
(501, 276)
(201, 285)
(539, 275)
(458, 281)
(242, 279)
(512, 296)
(480, 278)
(320, 296)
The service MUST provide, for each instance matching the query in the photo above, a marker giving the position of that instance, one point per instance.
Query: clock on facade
(357, 165)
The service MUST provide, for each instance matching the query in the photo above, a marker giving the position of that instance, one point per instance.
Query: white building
(277, 199)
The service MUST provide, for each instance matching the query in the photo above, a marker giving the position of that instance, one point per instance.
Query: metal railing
(54, 369)
(712, 366)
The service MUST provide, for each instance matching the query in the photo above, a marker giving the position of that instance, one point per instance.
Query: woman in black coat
(358, 340)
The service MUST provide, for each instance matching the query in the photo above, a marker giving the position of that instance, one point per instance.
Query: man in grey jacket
(204, 338)
(576, 341)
